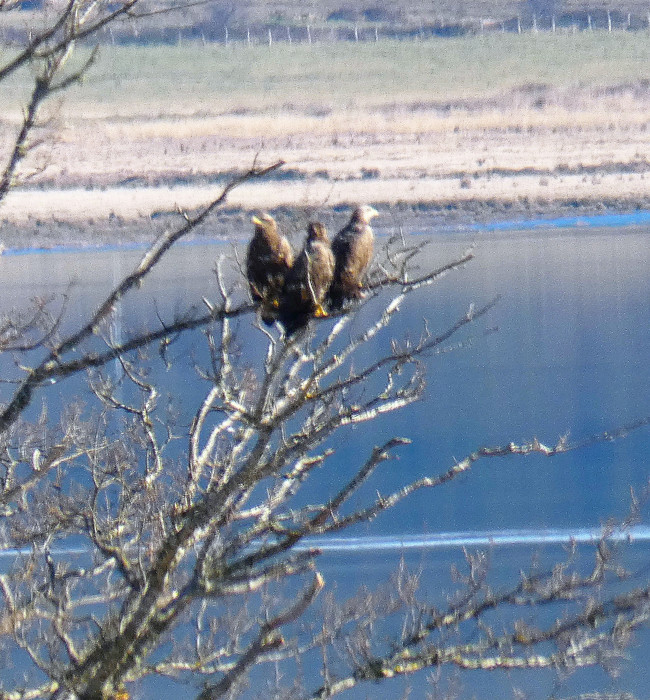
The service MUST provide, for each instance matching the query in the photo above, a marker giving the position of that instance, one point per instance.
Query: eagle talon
(311, 390)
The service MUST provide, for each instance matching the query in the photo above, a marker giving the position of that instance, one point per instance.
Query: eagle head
(364, 213)
(317, 232)
(264, 223)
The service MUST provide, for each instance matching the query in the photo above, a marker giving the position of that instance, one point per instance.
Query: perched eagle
(268, 261)
(308, 281)
(352, 247)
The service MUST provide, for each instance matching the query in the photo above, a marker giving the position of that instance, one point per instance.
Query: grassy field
(532, 120)
(215, 79)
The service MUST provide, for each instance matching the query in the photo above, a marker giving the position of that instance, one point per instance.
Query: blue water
(565, 352)
(634, 218)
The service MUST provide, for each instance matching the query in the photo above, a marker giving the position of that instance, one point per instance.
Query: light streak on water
(496, 538)
(25, 551)
(639, 534)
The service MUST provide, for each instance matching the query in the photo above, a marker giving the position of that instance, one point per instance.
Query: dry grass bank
(533, 122)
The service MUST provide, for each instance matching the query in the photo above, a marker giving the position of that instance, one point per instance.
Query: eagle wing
(307, 285)
(268, 261)
(353, 248)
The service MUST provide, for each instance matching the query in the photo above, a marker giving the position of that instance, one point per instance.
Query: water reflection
(506, 563)
(570, 356)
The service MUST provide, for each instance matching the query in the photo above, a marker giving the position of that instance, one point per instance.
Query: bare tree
(145, 548)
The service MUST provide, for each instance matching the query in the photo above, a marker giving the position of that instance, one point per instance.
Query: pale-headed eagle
(352, 247)
(268, 261)
(308, 282)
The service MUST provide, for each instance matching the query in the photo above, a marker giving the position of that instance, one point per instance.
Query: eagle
(308, 282)
(352, 247)
(268, 260)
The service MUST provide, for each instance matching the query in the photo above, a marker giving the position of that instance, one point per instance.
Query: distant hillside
(412, 12)
(259, 21)
(418, 11)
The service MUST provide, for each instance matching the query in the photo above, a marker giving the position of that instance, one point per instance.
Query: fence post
(376, 35)
(248, 35)
(226, 35)
(308, 34)
(356, 33)
(518, 24)
(589, 22)
(609, 21)
(553, 24)
(270, 38)
(289, 34)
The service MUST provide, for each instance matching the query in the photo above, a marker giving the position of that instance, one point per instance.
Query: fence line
(132, 33)
(308, 34)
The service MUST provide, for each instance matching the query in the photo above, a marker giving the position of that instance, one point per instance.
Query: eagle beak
(257, 221)
(371, 212)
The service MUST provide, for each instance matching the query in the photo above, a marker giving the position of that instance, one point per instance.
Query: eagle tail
(293, 322)
(336, 299)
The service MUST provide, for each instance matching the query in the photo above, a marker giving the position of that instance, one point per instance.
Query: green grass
(194, 78)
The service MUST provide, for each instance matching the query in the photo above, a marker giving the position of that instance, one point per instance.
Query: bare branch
(268, 640)
(53, 366)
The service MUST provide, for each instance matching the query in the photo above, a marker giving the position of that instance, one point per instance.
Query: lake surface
(570, 357)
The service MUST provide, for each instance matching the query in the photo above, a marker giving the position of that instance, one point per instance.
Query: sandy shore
(121, 214)
(104, 180)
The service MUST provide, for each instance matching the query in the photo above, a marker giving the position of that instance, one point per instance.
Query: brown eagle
(352, 247)
(308, 281)
(268, 261)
